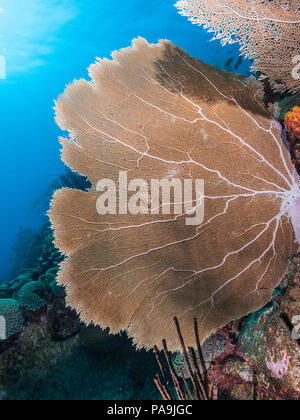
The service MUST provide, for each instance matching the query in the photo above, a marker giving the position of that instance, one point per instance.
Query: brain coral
(292, 121)
(158, 113)
(28, 298)
(9, 309)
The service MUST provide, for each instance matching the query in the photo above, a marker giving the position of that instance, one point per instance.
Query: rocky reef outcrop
(48, 353)
(257, 357)
(264, 362)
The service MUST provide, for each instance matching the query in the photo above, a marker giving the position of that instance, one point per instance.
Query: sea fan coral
(292, 121)
(154, 112)
(267, 31)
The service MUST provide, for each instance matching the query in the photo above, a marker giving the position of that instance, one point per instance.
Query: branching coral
(267, 31)
(158, 113)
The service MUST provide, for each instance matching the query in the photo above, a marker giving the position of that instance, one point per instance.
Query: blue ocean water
(44, 45)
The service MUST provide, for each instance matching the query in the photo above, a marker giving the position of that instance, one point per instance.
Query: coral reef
(267, 348)
(33, 250)
(26, 251)
(267, 31)
(256, 357)
(28, 298)
(292, 125)
(26, 275)
(49, 355)
(260, 359)
(212, 348)
(10, 311)
(31, 357)
(292, 122)
(97, 340)
(49, 257)
(274, 354)
(182, 120)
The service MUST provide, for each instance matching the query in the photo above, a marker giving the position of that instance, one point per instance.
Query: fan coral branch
(164, 115)
(267, 31)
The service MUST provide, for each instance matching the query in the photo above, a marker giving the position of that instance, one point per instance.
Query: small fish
(229, 62)
(238, 63)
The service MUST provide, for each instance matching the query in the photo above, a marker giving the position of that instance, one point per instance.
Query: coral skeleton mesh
(158, 113)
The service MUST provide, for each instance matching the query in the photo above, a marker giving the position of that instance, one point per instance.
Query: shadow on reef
(78, 374)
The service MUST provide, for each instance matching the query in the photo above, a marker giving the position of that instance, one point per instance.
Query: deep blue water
(46, 44)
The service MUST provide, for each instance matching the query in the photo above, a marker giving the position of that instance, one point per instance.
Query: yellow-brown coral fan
(154, 113)
(292, 121)
(268, 33)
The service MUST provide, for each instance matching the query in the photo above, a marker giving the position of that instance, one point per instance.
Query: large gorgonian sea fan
(158, 113)
(267, 31)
